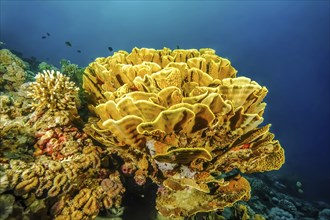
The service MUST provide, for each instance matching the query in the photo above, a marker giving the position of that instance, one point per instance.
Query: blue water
(283, 45)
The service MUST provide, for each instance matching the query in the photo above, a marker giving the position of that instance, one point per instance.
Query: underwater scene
(164, 110)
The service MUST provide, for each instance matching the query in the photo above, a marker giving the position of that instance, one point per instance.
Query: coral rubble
(183, 119)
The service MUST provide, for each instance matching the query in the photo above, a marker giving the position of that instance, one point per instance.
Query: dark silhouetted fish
(43, 37)
(48, 34)
(68, 43)
(79, 51)
(110, 49)
(177, 47)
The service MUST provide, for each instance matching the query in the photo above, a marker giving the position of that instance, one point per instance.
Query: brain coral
(54, 91)
(183, 119)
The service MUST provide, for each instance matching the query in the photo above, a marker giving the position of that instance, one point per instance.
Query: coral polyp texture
(183, 119)
(54, 91)
(12, 73)
(66, 176)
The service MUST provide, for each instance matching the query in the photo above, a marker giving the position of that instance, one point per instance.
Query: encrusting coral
(12, 73)
(14, 134)
(183, 119)
(52, 90)
(67, 176)
(75, 178)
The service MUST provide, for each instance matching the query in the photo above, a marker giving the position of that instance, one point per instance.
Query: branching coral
(183, 119)
(54, 91)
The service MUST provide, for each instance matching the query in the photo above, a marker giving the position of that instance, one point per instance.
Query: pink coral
(58, 142)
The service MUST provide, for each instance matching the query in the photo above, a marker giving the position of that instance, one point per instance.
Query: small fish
(79, 51)
(68, 43)
(48, 34)
(43, 37)
(177, 47)
(110, 49)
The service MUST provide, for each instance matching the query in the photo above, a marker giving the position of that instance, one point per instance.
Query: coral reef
(43, 66)
(66, 168)
(14, 134)
(175, 130)
(243, 212)
(76, 179)
(183, 119)
(324, 214)
(52, 90)
(273, 197)
(7, 203)
(278, 214)
(7, 58)
(12, 71)
(65, 164)
(72, 70)
(49, 167)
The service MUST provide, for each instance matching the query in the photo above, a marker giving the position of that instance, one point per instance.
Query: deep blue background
(283, 45)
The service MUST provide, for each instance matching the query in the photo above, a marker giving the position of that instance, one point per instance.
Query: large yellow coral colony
(183, 119)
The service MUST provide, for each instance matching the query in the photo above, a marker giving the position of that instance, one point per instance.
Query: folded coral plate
(182, 118)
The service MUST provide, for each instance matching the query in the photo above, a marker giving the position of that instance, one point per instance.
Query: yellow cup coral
(183, 119)
(54, 91)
